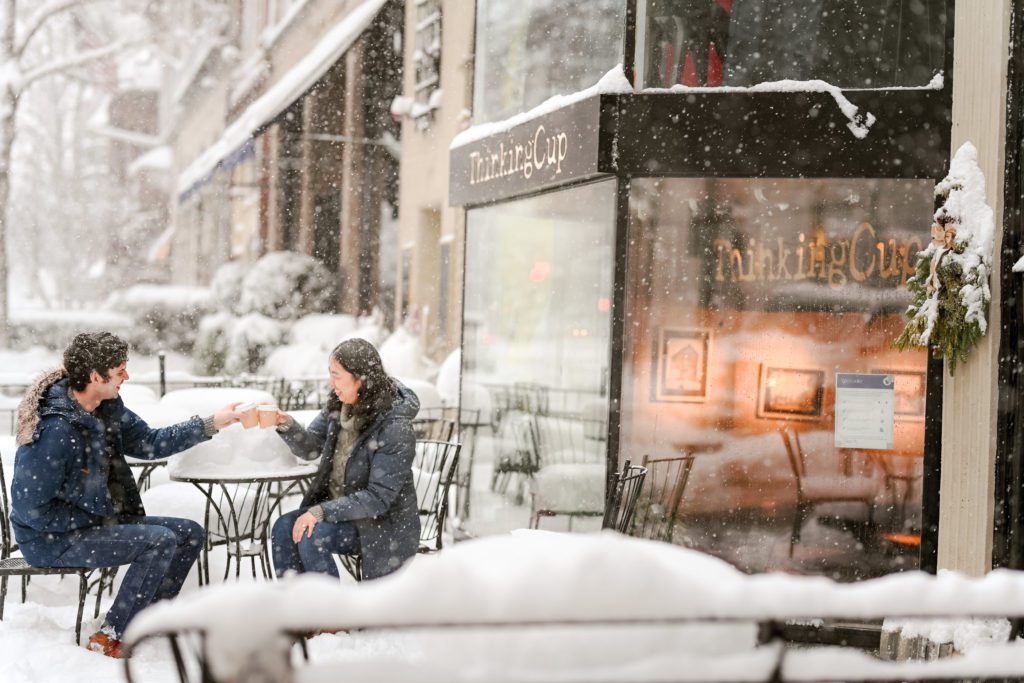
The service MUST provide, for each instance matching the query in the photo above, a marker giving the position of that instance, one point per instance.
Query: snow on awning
(156, 159)
(292, 85)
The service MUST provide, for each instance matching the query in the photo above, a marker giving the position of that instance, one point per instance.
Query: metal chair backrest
(434, 469)
(569, 439)
(625, 496)
(6, 545)
(432, 424)
(661, 496)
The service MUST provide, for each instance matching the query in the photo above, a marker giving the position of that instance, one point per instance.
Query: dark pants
(314, 553)
(159, 551)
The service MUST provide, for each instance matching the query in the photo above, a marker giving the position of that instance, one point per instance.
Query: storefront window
(530, 50)
(536, 357)
(864, 44)
(745, 298)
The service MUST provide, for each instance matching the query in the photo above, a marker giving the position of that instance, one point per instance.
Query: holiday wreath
(950, 286)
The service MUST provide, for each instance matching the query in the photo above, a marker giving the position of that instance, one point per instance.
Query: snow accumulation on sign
(865, 410)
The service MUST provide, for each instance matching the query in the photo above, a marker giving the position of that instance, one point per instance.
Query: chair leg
(3, 596)
(24, 589)
(798, 522)
(99, 592)
(83, 589)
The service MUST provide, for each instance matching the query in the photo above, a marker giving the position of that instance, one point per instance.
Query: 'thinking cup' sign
(546, 151)
(513, 157)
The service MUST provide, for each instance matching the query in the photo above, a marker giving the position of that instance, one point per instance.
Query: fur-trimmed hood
(28, 409)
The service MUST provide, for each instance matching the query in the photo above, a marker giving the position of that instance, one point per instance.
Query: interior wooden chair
(817, 489)
(661, 496)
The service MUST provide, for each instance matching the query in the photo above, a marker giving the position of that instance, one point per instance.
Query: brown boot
(105, 644)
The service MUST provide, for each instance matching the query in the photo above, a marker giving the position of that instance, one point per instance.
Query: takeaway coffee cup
(250, 417)
(267, 415)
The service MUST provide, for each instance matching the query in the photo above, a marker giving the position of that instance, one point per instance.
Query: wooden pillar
(272, 203)
(352, 181)
(307, 200)
(970, 399)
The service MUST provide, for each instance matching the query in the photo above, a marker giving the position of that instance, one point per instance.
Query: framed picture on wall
(790, 393)
(910, 388)
(679, 365)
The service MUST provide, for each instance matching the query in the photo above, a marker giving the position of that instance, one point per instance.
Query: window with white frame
(427, 59)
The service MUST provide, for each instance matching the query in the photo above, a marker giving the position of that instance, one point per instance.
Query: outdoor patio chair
(817, 489)
(661, 496)
(432, 424)
(17, 566)
(520, 452)
(625, 496)
(433, 471)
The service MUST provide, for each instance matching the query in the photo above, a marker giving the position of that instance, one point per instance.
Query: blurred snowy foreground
(542, 606)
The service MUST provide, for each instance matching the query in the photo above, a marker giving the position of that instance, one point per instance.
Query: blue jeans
(159, 551)
(314, 553)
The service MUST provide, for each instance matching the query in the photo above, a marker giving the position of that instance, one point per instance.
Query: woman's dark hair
(377, 392)
(99, 351)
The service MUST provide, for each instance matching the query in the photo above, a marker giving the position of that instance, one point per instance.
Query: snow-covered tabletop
(239, 454)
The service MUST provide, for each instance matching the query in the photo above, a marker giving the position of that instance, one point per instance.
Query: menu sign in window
(865, 410)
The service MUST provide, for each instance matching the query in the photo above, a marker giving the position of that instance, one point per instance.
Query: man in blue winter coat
(74, 499)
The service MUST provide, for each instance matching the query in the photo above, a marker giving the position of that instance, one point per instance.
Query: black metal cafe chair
(433, 472)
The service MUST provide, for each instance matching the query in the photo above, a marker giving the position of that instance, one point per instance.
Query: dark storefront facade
(682, 275)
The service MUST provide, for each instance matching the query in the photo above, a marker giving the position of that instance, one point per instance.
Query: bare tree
(20, 69)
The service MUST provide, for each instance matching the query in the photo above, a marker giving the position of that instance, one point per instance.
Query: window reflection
(864, 44)
(530, 50)
(744, 299)
(536, 354)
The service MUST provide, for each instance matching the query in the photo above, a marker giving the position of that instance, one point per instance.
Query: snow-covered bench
(539, 606)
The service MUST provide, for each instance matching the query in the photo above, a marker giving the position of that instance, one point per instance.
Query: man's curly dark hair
(99, 351)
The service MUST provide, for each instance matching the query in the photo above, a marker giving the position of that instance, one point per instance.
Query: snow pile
(403, 355)
(323, 330)
(296, 361)
(205, 402)
(448, 377)
(586, 579)
(237, 452)
(425, 392)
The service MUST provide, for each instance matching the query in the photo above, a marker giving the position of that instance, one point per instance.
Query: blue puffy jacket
(380, 498)
(64, 478)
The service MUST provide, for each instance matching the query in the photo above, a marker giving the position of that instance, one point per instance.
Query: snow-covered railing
(541, 606)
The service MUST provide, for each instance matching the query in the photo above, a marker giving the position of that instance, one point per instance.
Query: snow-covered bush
(251, 339)
(165, 316)
(254, 306)
(231, 345)
(211, 347)
(226, 287)
(285, 285)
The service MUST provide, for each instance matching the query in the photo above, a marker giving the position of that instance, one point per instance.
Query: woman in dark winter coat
(362, 499)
